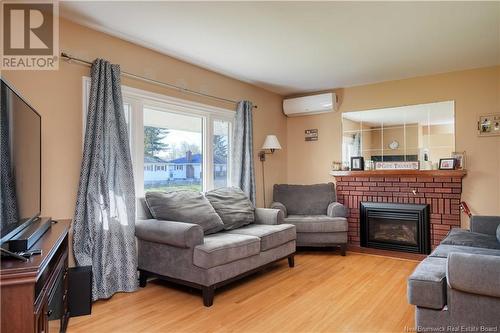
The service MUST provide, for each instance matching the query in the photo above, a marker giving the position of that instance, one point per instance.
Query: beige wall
(475, 92)
(57, 96)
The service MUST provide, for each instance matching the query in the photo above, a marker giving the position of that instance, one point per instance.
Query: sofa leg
(342, 249)
(143, 279)
(291, 260)
(208, 296)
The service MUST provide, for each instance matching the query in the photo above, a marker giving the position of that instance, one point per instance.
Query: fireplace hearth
(399, 227)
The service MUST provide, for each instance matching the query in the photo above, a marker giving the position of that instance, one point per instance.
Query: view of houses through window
(173, 151)
(173, 156)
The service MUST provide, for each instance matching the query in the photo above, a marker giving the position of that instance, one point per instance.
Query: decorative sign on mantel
(311, 134)
(412, 165)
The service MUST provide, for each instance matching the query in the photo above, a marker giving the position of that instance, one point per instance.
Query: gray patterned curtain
(8, 201)
(104, 223)
(243, 173)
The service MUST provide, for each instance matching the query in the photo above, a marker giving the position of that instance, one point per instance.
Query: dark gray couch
(458, 284)
(180, 252)
(319, 219)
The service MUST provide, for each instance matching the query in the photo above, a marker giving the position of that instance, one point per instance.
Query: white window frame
(138, 99)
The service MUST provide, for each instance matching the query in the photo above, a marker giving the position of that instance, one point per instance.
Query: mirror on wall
(423, 132)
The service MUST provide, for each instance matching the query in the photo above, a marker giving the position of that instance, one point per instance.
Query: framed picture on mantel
(357, 163)
(447, 164)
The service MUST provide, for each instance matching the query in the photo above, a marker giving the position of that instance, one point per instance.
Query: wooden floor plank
(323, 293)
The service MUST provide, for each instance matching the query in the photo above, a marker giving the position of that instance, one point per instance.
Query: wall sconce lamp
(270, 145)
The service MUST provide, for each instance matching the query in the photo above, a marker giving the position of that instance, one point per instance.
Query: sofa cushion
(475, 274)
(427, 284)
(305, 199)
(271, 236)
(464, 237)
(233, 207)
(484, 224)
(498, 233)
(184, 206)
(317, 223)
(222, 248)
(443, 250)
(142, 209)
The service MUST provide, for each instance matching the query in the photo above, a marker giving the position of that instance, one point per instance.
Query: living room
(203, 127)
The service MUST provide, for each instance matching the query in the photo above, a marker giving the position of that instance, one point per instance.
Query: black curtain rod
(142, 78)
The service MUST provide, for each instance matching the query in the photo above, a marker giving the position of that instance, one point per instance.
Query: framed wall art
(489, 125)
(311, 134)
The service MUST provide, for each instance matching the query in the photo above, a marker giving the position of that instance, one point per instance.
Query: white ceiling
(291, 47)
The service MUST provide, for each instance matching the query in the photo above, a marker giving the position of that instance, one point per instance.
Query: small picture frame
(357, 163)
(447, 164)
(489, 124)
(460, 157)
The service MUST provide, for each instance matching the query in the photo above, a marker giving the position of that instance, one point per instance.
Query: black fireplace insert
(399, 227)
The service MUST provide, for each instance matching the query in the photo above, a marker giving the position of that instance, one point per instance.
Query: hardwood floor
(323, 293)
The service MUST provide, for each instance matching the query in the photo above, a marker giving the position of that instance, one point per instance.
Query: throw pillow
(233, 207)
(498, 233)
(184, 206)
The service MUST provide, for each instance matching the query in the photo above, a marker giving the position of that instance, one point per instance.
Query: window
(174, 139)
(175, 144)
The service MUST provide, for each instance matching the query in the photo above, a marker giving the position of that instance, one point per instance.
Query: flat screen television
(20, 162)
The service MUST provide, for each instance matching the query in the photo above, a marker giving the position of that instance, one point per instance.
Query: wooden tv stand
(34, 293)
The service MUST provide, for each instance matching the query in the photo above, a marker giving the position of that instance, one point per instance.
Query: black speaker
(80, 291)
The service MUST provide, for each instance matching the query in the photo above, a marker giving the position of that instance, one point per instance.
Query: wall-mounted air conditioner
(308, 105)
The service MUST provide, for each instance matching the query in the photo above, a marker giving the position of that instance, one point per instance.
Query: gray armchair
(320, 220)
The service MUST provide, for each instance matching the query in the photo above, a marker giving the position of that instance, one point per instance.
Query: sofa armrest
(474, 273)
(268, 216)
(280, 206)
(484, 224)
(178, 234)
(336, 209)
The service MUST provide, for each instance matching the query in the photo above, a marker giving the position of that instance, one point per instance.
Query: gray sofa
(458, 285)
(319, 219)
(182, 253)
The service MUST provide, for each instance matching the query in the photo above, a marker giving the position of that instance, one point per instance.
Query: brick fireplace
(440, 189)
